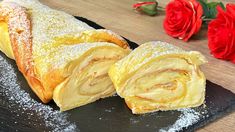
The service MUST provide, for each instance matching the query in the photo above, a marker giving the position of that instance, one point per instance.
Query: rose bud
(149, 8)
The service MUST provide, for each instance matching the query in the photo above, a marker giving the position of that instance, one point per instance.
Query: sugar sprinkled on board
(53, 119)
(188, 117)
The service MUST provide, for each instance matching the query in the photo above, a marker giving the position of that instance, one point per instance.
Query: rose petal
(183, 18)
(221, 34)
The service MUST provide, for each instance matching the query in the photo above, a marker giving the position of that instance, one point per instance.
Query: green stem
(160, 8)
(206, 19)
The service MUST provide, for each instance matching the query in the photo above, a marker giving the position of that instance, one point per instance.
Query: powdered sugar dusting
(48, 23)
(145, 52)
(188, 117)
(72, 51)
(53, 119)
(148, 51)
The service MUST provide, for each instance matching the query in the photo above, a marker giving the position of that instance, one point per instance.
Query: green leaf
(205, 1)
(206, 12)
(149, 9)
(212, 9)
(209, 8)
(222, 5)
(212, 4)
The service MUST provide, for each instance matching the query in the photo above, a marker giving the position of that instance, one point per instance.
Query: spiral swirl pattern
(159, 76)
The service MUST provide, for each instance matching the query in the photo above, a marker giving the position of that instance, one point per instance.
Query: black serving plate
(20, 109)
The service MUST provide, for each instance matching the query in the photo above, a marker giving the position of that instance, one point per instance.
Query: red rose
(221, 34)
(183, 18)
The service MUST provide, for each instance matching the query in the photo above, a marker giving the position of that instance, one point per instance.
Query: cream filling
(84, 86)
(5, 44)
(169, 83)
(89, 80)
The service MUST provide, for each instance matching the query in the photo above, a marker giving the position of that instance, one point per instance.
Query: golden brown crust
(19, 27)
(20, 34)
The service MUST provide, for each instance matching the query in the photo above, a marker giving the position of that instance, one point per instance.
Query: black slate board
(106, 115)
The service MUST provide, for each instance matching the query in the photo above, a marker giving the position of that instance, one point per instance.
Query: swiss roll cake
(159, 76)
